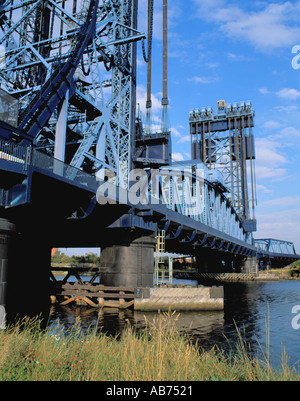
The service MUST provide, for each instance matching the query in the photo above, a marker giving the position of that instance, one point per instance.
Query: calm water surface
(262, 311)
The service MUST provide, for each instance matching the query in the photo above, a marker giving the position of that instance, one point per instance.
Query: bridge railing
(57, 167)
(13, 152)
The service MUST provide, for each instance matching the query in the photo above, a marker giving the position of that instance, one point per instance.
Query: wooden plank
(67, 286)
(68, 301)
(96, 294)
(127, 305)
(89, 302)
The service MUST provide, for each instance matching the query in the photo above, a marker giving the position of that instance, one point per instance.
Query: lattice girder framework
(224, 141)
(185, 189)
(274, 246)
(39, 37)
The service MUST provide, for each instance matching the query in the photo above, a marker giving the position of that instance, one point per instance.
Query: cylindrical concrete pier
(128, 264)
(7, 230)
(28, 274)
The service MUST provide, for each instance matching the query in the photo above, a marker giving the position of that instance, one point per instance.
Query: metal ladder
(161, 275)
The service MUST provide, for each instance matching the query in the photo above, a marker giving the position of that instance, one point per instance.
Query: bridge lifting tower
(90, 121)
(225, 142)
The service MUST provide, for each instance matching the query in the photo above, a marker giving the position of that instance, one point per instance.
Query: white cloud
(141, 97)
(267, 153)
(265, 172)
(269, 160)
(264, 91)
(212, 64)
(289, 93)
(283, 202)
(271, 124)
(174, 13)
(177, 157)
(175, 132)
(263, 188)
(282, 225)
(237, 57)
(203, 80)
(186, 138)
(272, 27)
(286, 109)
(291, 132)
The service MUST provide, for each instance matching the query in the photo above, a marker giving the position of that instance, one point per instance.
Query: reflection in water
(194, 323)
(261, 311)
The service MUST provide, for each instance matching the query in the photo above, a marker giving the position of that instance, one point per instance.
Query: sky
(236, 51)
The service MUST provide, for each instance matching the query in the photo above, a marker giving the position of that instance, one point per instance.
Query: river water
(261, 311)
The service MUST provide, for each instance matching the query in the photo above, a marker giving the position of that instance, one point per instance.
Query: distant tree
(88, 258)
(60, 257)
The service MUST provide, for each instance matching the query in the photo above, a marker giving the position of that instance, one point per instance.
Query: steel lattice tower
(93, 124)
(224, 141)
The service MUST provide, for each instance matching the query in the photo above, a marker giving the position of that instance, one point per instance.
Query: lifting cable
(150, 32)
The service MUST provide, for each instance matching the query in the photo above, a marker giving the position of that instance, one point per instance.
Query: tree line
(60, 257)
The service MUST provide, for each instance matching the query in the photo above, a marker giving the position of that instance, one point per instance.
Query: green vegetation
(295, 269)
(158, 353)
(291, 271)
(89, 258)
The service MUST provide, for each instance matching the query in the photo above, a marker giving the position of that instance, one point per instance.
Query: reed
(159, 353)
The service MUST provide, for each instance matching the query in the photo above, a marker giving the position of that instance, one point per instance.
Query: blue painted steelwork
(72, 53)
(275, 247)
(52, 93)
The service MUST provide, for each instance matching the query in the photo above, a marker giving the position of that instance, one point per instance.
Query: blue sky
(236, 51)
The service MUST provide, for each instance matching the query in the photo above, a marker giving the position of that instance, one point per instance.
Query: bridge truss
(71, 65)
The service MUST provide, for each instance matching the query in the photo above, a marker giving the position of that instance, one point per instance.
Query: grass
(159, 353)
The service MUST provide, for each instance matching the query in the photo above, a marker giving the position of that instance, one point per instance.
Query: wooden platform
(94, 295)
(84, 291)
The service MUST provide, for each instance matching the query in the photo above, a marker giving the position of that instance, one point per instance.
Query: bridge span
(78, 168)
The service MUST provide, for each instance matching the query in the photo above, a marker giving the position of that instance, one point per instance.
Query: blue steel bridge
(73, 148)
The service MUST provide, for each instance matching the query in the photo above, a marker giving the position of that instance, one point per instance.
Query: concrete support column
(128, 264)
(7, 230)
(250, 265)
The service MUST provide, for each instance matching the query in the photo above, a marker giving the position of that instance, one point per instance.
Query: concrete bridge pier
(250, 265)
(25, 258)
(129, 263)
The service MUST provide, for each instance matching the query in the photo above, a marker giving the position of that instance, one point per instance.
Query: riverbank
(286, 273)
(159, 353)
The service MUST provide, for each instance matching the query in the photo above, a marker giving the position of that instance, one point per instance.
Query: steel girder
(39, 38)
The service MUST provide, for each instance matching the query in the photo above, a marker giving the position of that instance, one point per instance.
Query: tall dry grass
(159, 353)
